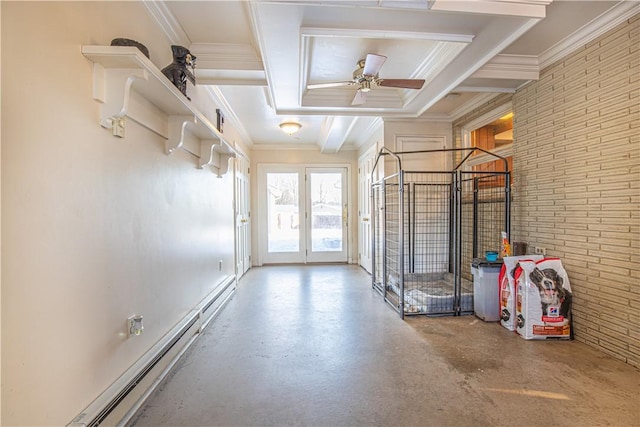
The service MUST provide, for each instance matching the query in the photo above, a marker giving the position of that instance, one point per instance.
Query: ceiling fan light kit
(290, 127)
(365, 78)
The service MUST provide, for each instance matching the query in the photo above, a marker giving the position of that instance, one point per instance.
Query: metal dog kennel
(429, 225)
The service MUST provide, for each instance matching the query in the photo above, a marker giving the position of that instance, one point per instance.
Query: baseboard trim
(119, 403)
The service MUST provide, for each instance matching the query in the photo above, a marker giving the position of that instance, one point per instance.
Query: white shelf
(122, 72)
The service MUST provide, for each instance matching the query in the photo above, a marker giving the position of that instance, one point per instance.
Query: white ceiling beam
(486, 49)
(226, 56)
(519, 67)
(524, 8)
(334, 133)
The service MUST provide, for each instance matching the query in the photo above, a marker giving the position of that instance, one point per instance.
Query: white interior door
(365, 168)
(303, 214)
(243, 217)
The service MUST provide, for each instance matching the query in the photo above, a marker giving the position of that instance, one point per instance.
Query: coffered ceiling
(259, 57)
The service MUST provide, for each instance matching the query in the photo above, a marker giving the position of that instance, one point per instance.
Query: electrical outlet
(541, 251)
(134, 325)
(117, 126)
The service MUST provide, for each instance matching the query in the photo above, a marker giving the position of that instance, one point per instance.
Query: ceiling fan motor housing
(365, 82)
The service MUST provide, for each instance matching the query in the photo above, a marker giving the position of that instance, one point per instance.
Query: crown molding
(383, 34)
(485, 89)
(425, 118)
(167, 22)
(285, 146)
(594, 29)
(328, 97)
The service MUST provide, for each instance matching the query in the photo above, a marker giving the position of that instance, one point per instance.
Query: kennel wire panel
(428, 227)
(485, 215)
(388, 244)
(429, 286)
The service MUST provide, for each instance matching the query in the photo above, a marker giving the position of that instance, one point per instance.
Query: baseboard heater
(119, 403)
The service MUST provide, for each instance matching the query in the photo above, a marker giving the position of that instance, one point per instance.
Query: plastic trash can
(486, 304)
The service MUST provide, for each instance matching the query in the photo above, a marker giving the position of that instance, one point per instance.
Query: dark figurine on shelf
(177, 72)
(129, 42)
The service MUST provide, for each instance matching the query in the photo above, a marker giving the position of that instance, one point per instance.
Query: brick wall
(576, 184)
(576, 163)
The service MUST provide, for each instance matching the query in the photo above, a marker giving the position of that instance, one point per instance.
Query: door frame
(260, 214)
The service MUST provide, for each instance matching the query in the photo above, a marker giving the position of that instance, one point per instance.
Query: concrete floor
(316, 346)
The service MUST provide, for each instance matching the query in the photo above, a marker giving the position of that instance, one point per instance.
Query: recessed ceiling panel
(213, 21)
(411, 56)
(336, 58)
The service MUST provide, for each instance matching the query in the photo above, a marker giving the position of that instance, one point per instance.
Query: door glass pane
(283, 230)
(326, 212)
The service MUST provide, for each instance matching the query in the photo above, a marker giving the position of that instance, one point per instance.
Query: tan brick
(577, 181)
(615, 40)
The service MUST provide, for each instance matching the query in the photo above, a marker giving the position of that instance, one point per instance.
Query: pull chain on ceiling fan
(365, 77)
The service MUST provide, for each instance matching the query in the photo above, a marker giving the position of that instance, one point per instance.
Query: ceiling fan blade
(360, 98)
(373, 63)
(402, 83)
(332, 84)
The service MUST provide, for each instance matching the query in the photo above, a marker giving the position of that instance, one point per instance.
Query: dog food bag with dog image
(507, 289)
(543, 300)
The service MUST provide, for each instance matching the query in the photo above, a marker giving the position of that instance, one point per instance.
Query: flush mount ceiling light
(290, 127)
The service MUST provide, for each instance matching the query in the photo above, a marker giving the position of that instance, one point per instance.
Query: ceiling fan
(365, 77)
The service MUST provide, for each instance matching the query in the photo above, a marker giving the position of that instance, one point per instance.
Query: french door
(303, 214)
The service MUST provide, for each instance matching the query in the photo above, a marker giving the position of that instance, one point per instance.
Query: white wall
(94, 228)
(305, 157)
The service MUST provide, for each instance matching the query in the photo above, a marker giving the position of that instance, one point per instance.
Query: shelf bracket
(177, 128)
(115, 103)
(207, 152)
(224, 163)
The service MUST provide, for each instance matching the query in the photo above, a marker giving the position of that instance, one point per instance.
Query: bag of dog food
(507, 289)
(543, 300)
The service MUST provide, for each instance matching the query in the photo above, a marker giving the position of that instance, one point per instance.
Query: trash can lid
(482, 262)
